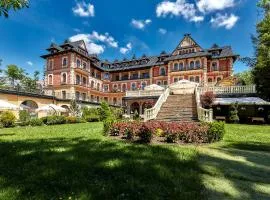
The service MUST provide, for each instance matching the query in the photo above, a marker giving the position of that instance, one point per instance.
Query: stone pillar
(205, 78)
(169, 73)
(140, 109)
(151, 75)
(128, 108)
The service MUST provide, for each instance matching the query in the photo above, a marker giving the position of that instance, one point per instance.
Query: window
(159, 82)
(133, 86)
(92, 98)
(218, 79)
(98, 86)
(124, 88)
(176, 67)
(50, 79)
(143, 85)
(77, 95)
(175, 80)
(181, 66)
(198, 64)
(78, 63)
(191, 65)
(214, 66)
(64, 62)
(84, 65)
(191, 78)
(106, 88)
(64, 95)
(92, 84)
(114, 101)
(78, 80)
(84, 81)
(50, 65)
(162, 71)
(106, 76)
(210, 80)
(83, 96)
(97, 99)
(165, 83)
(64, 78)
(197, 79)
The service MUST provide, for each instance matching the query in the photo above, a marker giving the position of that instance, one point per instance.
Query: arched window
(181, 66)
(84, 65)
(133, 86)
(50, 79)
(197, 79)
(64, 62)
(162, 71)
(198, 64)
(218, 79)
(214, 66)
(84, 81)
(175, 80)
(191, 65)
(64, 78)
(210, 80)
(78, 80)
(176, 67)
(124, 88)
(159, 82)
(191, 78)
(78, 63)
(92, 84)
(77, 95)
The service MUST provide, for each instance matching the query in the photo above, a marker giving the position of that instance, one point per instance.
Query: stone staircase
(179, 108)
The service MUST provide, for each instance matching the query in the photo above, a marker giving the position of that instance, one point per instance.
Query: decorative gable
(187, 44)
(83, 46)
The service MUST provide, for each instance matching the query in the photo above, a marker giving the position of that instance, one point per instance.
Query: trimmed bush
(90, 114)
(36, 122)
(145, 133)
(24, 116)
(92, 118)
(7, 119)
(234, 118)
(55, 120)
(216, 131)
(71, 120)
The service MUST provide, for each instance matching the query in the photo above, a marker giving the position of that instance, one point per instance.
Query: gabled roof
(187, 42)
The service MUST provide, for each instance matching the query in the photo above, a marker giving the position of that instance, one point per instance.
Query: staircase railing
(152, 113)
(205, 115)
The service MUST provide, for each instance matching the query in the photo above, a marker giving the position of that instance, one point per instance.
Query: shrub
(107, 124)
(24, 116)
(92, 118)
(36, 122)
(216, 131)
(55, 120)
(117, 113)
(145, 133)
(44, 119)
(71, 120)
(7, 119)
(234, 118)
(207, 99)
(159, 132)
(105, 112)
(90, 114)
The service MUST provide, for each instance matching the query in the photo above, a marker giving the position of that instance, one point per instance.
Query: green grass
(77, 162)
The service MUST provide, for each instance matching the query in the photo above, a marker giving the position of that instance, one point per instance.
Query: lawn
(77, 162)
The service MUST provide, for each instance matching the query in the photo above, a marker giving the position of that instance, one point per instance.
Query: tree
(7, 5)
(245, 77)
(14, 73)
(261, 70)
(75, 110)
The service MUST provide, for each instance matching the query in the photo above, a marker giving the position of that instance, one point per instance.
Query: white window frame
(62, 73)
(49, 79)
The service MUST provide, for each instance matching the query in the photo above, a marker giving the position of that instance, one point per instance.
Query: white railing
(144, 93)
(205, 115)
(152, 113)
(245, 89)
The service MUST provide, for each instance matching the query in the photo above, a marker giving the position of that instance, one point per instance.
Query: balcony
(144, 93)
(126, 78)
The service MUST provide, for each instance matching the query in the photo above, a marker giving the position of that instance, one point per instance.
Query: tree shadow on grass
(97, 169)
(236, 173)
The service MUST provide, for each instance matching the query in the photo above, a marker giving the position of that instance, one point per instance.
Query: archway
(29, 106)
(67, 108)
(135, 107)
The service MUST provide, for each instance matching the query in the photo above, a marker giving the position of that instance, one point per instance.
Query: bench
(221, 118)
(257, 119)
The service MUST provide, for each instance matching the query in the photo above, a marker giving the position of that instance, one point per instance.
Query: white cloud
(227, 21)
(162, 31)
(95, 42)
(84, 9)
(140, 24)
(125, 50)
(212, 5)
(178, 8)
(29, 63)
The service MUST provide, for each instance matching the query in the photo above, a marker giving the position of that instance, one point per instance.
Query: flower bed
(171, 132)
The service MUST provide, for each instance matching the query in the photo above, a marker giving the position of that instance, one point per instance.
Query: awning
(51, 108)
(4, 105)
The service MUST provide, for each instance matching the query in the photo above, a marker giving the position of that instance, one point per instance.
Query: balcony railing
(245, 89)
(144, 93)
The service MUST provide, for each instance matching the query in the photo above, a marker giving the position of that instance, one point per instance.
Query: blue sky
(119, 28)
